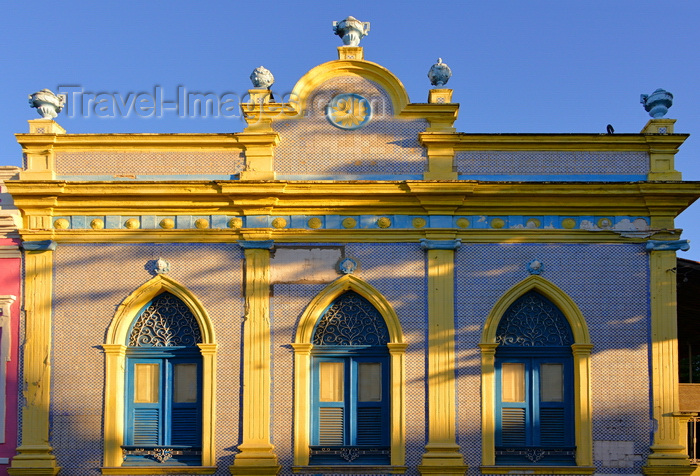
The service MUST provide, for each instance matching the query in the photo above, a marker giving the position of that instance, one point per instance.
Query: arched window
(163, 408)
(534, 385)
(350, 418)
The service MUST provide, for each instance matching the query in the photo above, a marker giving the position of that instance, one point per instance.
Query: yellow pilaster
(35, 453)
(115, 362)
(442, 453)
(302, 402)
(257, 454)
(208, 352)
(582, 405)
(668, 452)
(488, 397)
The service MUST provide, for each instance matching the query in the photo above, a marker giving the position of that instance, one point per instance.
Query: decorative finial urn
(439, 73)
(261, 77)
(48, 104)
(657, 103)
(351, 30)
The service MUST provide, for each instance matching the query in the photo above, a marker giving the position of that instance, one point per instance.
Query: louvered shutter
(331, 426)
(513, 430)
(146, 426)
(552, 427)
(370, 427)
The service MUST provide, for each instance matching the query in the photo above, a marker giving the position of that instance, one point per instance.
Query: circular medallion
(201, 223)
(383, 222)
(167, 223)
(568, 223)
(235, 222)
(348, 111)
(97, 224)
(463, 222)
(419, 222)
(498, 223)
(279, 222)
(61, 224)
(314, 223)
(132, 223)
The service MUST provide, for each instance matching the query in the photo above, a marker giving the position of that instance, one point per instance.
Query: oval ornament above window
(348, 111)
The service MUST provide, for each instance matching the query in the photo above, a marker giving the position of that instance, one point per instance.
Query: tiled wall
(609, 283)
(385, 146)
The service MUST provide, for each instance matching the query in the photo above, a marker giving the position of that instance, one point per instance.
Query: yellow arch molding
(115, 363)
(365, 69)
(581, 350)
(302, 366)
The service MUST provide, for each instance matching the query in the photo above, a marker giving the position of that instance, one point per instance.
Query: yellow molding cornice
(57, 198)
(136, 142)
(331, 236)
(583, 142)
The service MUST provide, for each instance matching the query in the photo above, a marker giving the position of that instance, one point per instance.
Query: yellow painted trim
(302, 365)
(581, 351)
(350, 469)
(35, 452)
(571, 142)
(365, 69)
(667, 448)
(442, 453)
(115, 360)
(134, 470)
(256, 452)
(40, 199)
(538, 469)
(549, 290)
(118, 331)
(331, 236)
(348, 282)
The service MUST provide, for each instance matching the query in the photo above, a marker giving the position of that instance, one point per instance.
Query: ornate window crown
(533, 321)
(165, 322)
(351, 320)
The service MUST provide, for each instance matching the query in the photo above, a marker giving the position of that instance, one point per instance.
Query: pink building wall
(10, 292)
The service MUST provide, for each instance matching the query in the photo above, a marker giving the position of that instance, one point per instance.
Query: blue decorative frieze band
(671, 245)
(440, 244)
(623, 224)
(257, 245)
(46, 245)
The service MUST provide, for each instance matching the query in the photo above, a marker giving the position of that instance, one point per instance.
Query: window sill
(534, 469)
(160, 470)
(349, 469)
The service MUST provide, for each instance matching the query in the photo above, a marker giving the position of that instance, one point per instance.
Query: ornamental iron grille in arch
(351, 320)
(533, 321)
(166, 322)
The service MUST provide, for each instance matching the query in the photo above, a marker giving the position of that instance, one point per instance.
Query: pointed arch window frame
(303, 346)
(581, 351)
(115, 348)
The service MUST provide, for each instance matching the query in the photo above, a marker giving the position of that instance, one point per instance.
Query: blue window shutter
(163, 411)
(370, 426)
(351, 424)
(331, 426)
(534, 425)
(513, 432)
(146, 426)
(350, 337)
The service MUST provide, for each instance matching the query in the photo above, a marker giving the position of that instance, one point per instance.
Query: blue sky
(518, 66)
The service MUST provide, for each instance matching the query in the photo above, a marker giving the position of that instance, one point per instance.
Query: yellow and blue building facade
(350, 286)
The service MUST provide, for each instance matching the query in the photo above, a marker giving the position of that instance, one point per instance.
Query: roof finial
(657, 103)
(351, 30)
(48, 104)
(439, 73)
